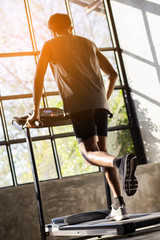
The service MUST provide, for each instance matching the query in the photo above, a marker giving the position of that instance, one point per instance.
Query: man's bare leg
(91, 153)
(94, 151)
(109, 172)
(126, 164)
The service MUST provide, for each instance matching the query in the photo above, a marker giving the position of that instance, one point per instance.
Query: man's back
(76, 69)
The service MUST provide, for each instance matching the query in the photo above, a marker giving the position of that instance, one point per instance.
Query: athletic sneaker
(118, 214)
(127, 169)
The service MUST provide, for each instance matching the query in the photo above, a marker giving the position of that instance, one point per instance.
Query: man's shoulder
(85, 41)
(50, 41)
(83, 38)
(53, 42)
(49, 44)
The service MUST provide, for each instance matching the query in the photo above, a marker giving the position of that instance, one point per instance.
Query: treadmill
(88, 224)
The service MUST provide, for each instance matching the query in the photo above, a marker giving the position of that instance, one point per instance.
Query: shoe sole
(130, 182)
(117, 218)
(120, 218)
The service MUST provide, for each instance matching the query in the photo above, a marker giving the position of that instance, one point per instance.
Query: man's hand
(32, 119)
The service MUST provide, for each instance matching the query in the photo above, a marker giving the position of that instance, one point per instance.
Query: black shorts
(89, 123)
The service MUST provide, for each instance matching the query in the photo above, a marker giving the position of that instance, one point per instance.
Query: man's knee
(87, 148)
(85, 156)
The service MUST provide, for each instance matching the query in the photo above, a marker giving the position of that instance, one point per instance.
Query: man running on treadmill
(76, 62)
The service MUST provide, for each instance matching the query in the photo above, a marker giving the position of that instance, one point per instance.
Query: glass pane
(41, 11)
(55, 101)
(22, 163)
(71, 160)
(5, 173)
(14, 27)
(16, 75)
(44, 160)
(111, 58)
(63, 129)
(120, 143)
(117, 107)
(133, 28)
(20, 107)
(93, 25)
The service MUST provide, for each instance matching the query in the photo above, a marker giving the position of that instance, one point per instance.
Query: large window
(23, 32)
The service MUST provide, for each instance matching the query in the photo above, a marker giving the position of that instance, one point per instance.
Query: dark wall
(18, 209)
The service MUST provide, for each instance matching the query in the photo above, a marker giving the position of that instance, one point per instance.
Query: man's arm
(38, 82)
(109, 70)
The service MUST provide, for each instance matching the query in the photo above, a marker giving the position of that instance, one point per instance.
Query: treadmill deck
(105, 227)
